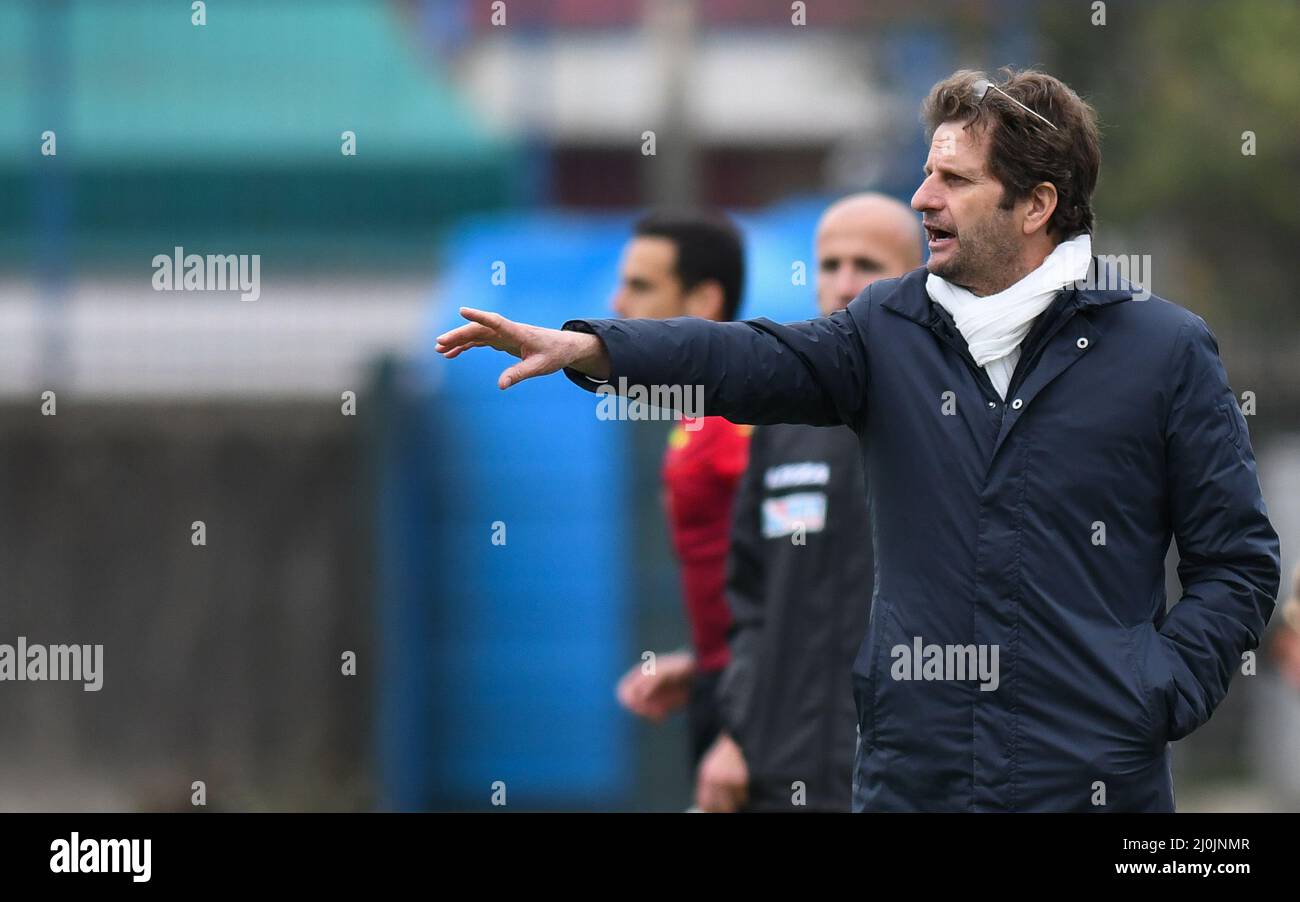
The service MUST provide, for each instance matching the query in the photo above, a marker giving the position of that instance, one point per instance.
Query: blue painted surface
(499, 661)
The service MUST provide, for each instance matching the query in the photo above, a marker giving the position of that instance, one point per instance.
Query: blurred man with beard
(690, 263)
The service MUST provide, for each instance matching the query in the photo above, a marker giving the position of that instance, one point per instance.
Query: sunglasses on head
(982, 87)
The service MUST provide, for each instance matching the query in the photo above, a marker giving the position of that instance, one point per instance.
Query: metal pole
(671, 176)
(51, 89)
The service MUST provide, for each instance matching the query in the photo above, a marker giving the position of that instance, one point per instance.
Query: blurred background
(495, 138)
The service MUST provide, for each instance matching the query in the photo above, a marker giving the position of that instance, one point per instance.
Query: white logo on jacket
(787, 514)
(809, 472)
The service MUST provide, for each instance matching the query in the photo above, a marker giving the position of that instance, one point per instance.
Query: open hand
(540, 351)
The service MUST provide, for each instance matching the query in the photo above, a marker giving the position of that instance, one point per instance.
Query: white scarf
(994, 326)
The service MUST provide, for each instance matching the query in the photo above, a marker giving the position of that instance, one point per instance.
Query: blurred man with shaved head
(799, 574)
(862, 238)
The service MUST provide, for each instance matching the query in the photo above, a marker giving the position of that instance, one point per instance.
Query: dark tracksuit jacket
(799, 586)
(1034, 529)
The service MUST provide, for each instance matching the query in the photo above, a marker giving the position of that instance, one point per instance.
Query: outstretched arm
(753, 371)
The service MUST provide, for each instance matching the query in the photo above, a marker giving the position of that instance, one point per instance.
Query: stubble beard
(986, 258)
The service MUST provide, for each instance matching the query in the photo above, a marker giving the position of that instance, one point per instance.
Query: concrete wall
(221, 663)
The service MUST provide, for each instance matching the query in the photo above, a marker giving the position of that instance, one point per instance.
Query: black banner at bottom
(332, 851)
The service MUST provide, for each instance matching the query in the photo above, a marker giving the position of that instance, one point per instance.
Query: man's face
(648, 285)
(857, 246)
(972, 241)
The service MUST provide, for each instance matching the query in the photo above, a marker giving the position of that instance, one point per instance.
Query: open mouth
(939, 238)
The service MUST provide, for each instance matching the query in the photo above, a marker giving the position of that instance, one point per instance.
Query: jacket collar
(910, 299)
(1104, 286)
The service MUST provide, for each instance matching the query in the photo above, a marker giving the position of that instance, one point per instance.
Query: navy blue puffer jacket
(1033, 529)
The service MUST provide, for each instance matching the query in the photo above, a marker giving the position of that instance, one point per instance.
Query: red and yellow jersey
(703, 464)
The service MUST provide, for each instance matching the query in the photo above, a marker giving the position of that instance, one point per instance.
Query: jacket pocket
(1237, 430)
(1155, 678)
(865, 678)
